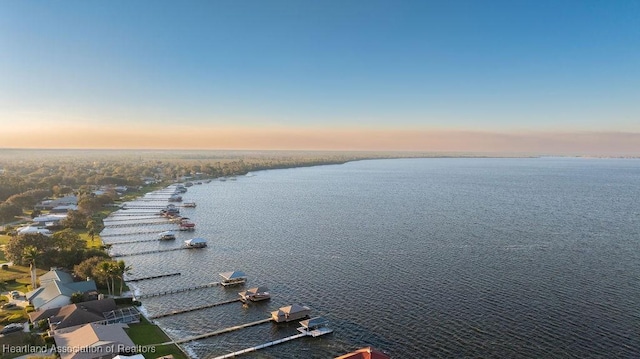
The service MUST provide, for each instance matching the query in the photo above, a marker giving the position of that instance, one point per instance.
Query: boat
(167, 236)
(189, 204)
(255, 294)
(195, 243)
(175, 198)
(186, 225)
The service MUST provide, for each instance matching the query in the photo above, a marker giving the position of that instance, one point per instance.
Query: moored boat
(196, 243)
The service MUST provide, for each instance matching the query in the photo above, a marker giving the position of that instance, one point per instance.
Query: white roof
(33, 229)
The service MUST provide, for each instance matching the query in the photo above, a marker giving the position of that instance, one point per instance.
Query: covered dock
(233, 278)
(290, 313)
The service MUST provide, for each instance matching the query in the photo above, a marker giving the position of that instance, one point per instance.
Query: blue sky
(496, 66)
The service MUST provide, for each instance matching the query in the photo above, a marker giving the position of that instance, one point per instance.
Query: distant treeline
(27, 176)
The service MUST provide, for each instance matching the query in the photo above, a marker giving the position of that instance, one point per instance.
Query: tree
(14, 250)
(9, 211)
(77, 297)
(67, 239)
(91, 229)
(75, 219)
(89, 268)
(106, 271)
(120, 270)
(30, 255)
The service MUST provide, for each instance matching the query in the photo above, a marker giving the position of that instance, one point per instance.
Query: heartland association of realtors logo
(104, 349)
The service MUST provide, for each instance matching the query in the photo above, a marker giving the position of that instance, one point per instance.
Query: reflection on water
(421, 258)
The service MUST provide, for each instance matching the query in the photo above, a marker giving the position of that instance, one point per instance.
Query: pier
(130, 233)
(153, 277)
(135, 241)
(137, 224)
(221, 331)
(118, 255)
(261, 346)
(179, 290)
(206, 306)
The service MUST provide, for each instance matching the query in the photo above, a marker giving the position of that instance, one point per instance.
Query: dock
(261, 346)
(153, 277)
(134, 241)
(179, 290)
(136, 224)
(118, 255)
(221, 331)
(206, 306)
(129, 234)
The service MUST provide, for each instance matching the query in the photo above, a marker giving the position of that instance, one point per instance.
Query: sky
(553, 77)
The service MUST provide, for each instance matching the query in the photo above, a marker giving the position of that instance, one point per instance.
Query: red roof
(365, 353)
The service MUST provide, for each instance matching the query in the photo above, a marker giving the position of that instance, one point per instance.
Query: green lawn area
(148, 334)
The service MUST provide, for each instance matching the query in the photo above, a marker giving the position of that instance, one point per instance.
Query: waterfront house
(290, 313)
(74, 314)
(56, 289)
(97, 341)
(255, 294)
(233, 278)
(365, 353)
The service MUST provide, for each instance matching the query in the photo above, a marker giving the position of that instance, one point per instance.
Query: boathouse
(290, 313)
(233, 278)
(255, 294)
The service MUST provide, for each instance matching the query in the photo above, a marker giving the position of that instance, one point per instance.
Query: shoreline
(135, 291)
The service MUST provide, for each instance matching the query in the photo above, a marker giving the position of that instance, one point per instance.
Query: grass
(21, 275)
(19, 339)
(147, 334)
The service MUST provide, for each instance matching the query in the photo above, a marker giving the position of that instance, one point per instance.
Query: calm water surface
(422, 258)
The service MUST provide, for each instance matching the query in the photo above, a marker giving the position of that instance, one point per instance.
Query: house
(34, 229)
(50, 220)
(52, 203)
(74, 314)
(365, 353)
(290, 313)
(56, 289)
(93, 341)
(63, 209)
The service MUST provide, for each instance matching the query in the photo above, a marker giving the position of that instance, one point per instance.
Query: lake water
(421, 258)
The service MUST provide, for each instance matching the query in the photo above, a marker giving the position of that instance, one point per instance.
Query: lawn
(147, 334)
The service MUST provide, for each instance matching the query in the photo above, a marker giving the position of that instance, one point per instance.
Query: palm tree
(105, 270)
(121, 269)
(30, 254)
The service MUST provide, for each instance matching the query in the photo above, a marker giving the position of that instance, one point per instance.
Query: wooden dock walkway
(138, 224)
(153, 277)
(261, 346)
(179, 290)
(118, 255)
(221, 331)
(135, 214)
(130, 219)
(206, 306)
(138, 241)
(130, 233)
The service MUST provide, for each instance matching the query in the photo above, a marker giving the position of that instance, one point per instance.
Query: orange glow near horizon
(362, 139)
